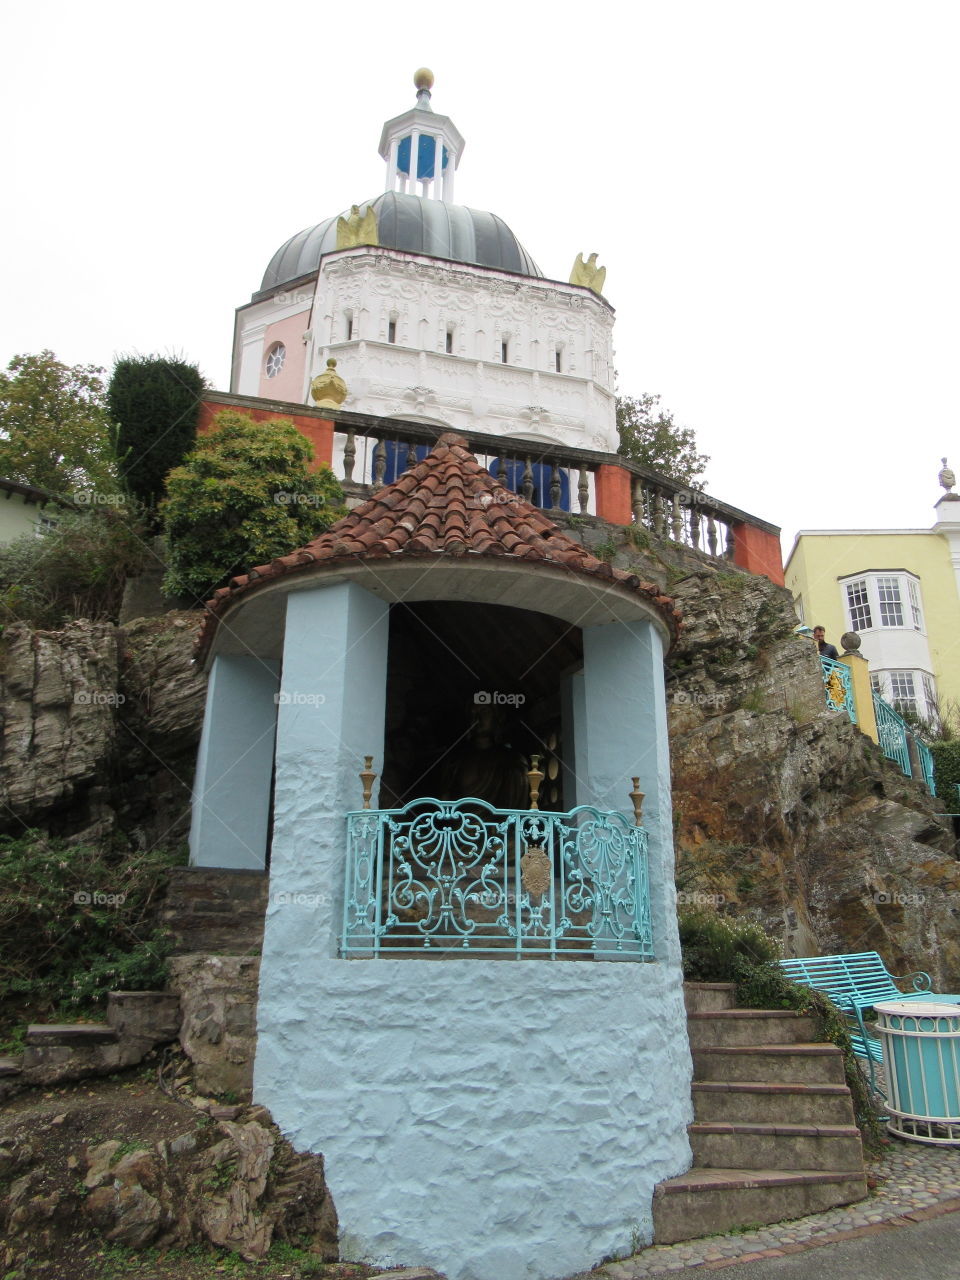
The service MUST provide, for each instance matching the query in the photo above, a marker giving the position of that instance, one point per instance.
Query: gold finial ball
(423, 78)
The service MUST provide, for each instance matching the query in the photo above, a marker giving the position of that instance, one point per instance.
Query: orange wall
(758, 551)
(614, 494)
(319, 431)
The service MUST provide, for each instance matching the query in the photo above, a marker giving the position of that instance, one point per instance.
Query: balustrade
(371, 452)
(454, 878)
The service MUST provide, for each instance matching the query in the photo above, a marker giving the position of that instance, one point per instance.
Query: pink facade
(288, 382)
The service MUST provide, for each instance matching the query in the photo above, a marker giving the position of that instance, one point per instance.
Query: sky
(773, 189)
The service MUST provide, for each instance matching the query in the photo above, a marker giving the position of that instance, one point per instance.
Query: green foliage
(946, 773)
(243, 497)
(55, 432)
(711, 945)
(155, 402)
(76, 922)
(754, 700)
(75, 570)
(649, 435)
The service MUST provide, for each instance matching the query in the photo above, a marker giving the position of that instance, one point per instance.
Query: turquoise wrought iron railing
(926, 765)
(892, 733)
(443, 878)
(838, 687)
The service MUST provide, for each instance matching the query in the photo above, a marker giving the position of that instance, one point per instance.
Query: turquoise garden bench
(858, 982)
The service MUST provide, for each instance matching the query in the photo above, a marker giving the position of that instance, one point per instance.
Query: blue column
(332, 712)
(621, 730)
(231, 791)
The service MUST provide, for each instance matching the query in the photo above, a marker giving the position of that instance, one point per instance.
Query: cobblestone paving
(910, 1177)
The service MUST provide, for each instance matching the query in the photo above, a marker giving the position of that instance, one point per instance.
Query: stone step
(70, 1034)
(749, 1026)
(705, 997)
(10, 1066)
(215, 910)
(785, 1064)
(718, 1145)
(711, 1201)
(764, 1102)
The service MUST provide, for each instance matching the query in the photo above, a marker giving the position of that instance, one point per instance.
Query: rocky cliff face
(100, 728)
(782, 808)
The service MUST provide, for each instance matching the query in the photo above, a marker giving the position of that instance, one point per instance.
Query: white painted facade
(364, 297)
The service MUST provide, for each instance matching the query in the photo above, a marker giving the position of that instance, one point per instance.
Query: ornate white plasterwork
(477, 310)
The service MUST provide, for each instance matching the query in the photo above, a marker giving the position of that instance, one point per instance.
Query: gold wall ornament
(328, 389)
(534, 777)
(357, 229)
(587, 274)
(835, 690)
(367, 778)
(536, 870)
(636, 795)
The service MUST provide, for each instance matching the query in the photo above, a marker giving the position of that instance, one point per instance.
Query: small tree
(657, 442)
(244, 496)
(155, 403)
(55, 432)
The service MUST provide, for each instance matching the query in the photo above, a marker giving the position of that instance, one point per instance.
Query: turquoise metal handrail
(926, 765)
(838, 687)
(441, 878)
(892, 733)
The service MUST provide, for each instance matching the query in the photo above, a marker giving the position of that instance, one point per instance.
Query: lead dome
(411, 224)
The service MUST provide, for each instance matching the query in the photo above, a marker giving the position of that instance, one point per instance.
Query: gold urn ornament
(328, 389)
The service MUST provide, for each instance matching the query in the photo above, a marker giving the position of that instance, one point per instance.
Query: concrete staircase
(773, 1134)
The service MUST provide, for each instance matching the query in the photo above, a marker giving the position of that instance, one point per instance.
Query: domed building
(434, 312)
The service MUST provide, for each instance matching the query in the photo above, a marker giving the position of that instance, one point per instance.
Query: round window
(275, 358)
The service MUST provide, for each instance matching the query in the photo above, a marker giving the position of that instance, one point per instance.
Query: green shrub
(75, 570)
(946, 773)
(243, 497)
(76, 922)
(711, 944)
(155, 402)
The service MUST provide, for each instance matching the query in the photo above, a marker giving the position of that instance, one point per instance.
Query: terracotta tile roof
(447, 504)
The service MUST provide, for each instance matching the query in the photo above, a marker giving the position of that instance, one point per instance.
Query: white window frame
(886, 594)
(922, 702)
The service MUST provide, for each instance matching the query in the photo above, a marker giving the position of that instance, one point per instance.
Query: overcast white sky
(772, 187)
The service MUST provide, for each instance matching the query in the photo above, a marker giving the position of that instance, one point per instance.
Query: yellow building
(900, 590)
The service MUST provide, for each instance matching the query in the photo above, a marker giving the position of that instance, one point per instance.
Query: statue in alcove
(486, 765)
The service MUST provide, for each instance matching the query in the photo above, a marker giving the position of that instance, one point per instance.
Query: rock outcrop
(100, 728)
(235, 1182)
